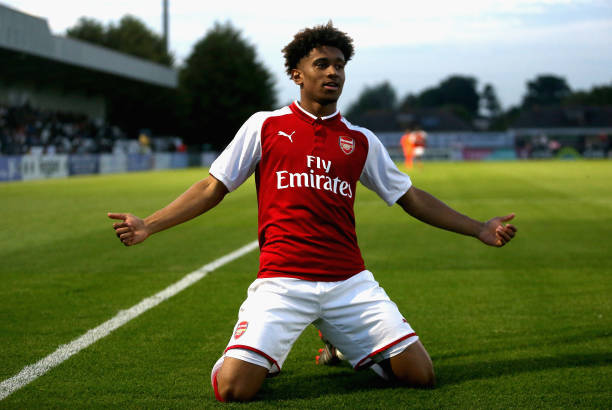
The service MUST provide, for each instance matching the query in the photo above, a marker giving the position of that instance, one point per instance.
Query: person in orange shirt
(407, 143)
(413, 145)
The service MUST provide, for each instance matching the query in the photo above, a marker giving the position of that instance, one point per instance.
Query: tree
(410, 101)
(381, 97)
(431, 97)
(89, 30)
(222, 84)
(490, 101)
(457, 93)
(546, 90)
(460, 91)
(598, 95)
(130, 36)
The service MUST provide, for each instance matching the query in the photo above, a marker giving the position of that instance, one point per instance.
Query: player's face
(320, 75)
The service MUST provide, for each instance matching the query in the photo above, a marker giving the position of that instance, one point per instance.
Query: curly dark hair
(310, 38)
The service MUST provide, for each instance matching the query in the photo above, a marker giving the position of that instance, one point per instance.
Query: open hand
(131, 230)
(496, 233)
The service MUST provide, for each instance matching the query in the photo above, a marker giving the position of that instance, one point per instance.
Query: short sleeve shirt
(306, 171)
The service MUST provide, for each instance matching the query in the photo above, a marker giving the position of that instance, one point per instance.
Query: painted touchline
(31, 372)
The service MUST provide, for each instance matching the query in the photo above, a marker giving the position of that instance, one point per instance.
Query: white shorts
(355, 315)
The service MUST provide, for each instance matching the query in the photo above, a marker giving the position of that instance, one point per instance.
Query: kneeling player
(308, 159)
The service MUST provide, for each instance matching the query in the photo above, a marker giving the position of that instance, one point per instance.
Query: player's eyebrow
(327, 60)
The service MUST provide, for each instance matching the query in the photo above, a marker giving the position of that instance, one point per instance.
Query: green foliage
(525, 326)
(597, 96)
(222, 84)
(457, 91)
(409, 102)
(375, 98)
(546, 90)
(490, 101)
(88, 29)
(130, 36)
(568, 153)
(457, 94)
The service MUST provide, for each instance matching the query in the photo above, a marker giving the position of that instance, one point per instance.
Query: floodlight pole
(165, 23)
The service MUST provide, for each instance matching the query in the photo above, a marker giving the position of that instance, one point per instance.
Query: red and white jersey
(419, 138)
(306, 171)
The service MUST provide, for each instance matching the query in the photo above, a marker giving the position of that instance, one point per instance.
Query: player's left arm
(427, 208)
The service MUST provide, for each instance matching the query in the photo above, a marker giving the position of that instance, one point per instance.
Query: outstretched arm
(431, 210)
(199, 198)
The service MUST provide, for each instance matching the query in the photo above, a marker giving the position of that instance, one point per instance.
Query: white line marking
(63, 352)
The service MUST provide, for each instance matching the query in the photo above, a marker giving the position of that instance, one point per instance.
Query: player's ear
(297, 77)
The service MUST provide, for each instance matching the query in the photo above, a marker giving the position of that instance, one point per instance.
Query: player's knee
(413, 367)
(421, 377)
(238, 380)
(233, 390)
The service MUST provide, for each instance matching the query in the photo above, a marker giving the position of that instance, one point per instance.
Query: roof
(564, 117)
(435, 119)
(28, 34)
(430, 119)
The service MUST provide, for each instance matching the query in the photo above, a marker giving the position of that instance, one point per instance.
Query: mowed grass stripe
(32, 372)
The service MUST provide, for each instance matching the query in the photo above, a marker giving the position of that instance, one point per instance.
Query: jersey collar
(297, 108)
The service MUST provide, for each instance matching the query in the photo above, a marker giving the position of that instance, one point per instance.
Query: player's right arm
(199, 198)
(235, 164)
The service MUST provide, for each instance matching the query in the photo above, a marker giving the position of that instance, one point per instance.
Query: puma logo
(284, 134)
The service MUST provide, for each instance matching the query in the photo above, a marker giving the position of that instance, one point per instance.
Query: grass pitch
(528, 325)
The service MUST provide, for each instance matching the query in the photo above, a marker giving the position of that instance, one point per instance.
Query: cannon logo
(240, 329)
(347, 145)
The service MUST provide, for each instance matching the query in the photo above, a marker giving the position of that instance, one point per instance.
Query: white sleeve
(240, 158)
(380, 174)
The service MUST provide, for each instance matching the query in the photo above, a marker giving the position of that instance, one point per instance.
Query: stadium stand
(26, 130)
(57, 73)
(54, 102)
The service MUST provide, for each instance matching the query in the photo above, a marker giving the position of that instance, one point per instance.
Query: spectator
(24, 127)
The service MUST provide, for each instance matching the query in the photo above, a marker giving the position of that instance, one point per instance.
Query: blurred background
(103, 87)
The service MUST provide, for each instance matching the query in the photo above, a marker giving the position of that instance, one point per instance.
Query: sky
(412, 45)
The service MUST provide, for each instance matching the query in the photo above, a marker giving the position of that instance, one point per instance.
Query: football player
(307, 160)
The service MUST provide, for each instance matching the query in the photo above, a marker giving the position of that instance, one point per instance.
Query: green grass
(528, 325)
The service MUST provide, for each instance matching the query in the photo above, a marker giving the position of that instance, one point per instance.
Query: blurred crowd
(593, 145)
(25, 130)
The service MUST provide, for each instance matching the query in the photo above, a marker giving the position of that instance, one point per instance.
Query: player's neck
(317, 109)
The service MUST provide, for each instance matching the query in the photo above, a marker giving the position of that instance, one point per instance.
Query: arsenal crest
(347, 144)
(240, 329)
